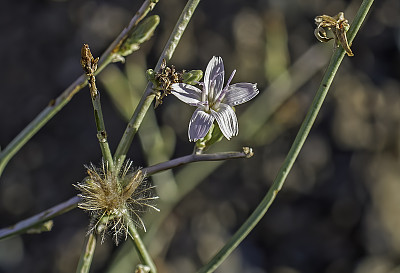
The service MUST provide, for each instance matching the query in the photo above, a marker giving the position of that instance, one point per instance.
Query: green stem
(304, 130)
(87, 254)
(149, 95)
(101, 128)
(102, 133)
(145, 257)
(57, 104)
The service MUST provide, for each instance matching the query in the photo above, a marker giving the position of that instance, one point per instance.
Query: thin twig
(25, 225)
(57, 104)
(304, 130)
(149, 95)
(246, 153)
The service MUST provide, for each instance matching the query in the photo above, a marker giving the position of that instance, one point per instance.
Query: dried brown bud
(89, 64)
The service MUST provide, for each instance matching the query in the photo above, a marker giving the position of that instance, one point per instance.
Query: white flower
(214, 102)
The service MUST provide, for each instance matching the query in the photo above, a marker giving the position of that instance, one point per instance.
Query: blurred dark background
(339, 208)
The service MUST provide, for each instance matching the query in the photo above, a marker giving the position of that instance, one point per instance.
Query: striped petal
(214, 76)
(199, 125)
(186, 93)
(227, 120)
(239, 93)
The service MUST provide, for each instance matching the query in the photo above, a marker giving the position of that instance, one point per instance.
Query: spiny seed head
(114, 198)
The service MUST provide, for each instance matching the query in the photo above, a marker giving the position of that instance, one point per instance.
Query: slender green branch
(246, 153)
(57, 104)
(139, 245)
(149, 95)
(87, 254)
(304, 130)
(25, 225)
(89, 65)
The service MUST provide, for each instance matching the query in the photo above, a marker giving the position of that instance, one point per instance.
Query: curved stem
(57, 104)
(148, 95)
(304, 130)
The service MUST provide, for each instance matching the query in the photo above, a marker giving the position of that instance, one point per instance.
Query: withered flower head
(338, 25)
(113, 197)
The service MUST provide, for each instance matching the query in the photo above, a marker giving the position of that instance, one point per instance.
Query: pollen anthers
(112, 198)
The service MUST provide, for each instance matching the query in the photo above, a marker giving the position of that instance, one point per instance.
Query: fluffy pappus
(114, 198)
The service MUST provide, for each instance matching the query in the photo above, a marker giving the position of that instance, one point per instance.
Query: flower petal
(227, 120)
(186, 93)
(239, 93)
(214, 76)
(199, 125)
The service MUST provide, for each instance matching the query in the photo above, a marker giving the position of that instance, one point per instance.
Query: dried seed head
(165, 78)
(113, 197)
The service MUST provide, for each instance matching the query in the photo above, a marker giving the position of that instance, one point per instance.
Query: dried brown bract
(338, 25)
(111, 197)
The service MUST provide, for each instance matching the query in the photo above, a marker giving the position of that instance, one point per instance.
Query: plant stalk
(301, 137)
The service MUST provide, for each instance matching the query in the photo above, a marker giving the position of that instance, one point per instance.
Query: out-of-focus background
(339, 210)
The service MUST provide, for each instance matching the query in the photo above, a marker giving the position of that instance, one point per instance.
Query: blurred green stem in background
(304, 130)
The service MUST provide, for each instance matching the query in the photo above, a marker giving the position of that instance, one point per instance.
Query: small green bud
(192, 76)
(145, 30)
(151, 76)
(141, 34)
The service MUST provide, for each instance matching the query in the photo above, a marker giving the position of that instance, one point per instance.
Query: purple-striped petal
(186, 93)
(239, 93)
(214, 76)
(199, 125)
(227, 120)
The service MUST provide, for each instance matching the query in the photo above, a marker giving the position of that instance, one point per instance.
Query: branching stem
(72, 203)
